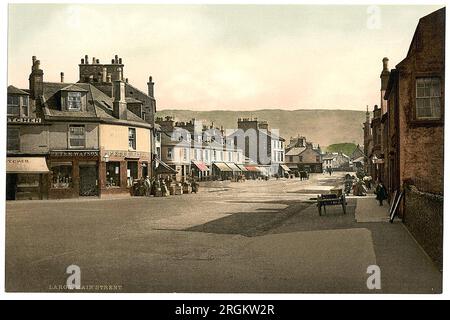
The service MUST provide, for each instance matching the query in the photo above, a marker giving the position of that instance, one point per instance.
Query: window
(61, 175)
(13, 139)
(206, 155)
(185, 153)
(132, 138)
(24, 106)
(300, 158)
(77, 138)
(214, 157)
(112, 174)
(428, 98)
(170, 153)
(13, 105)
(74, 101)
(317, 158)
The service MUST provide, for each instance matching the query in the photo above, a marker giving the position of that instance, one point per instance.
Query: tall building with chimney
(92, 137)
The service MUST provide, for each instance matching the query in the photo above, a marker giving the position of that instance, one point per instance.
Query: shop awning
(164, 168)
(200, 165)
(26, 165)
(242, 167)
(252, 168)
(263, 170)
(234, 167)
(223, 167)
(285, 167)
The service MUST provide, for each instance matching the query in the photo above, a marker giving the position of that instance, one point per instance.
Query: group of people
(361, 186)
(150, 186)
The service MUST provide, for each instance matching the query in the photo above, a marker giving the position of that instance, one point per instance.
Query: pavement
(255, 236)
(368, 210)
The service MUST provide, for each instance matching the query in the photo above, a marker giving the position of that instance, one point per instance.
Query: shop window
(13, 105)
(132, 138)
(13, 139)
(112, 174)
(77, 137)
(61, 176)
(428, 98)
(132, 172)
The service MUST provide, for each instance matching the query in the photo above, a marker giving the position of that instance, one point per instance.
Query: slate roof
(99, 105)
(14, 90)
(295, 151)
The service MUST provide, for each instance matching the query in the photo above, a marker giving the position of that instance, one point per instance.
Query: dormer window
(74, 101)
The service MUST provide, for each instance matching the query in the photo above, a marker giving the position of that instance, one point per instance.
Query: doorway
(88, 180)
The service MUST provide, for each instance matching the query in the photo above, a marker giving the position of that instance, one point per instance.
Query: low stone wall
(424, 218)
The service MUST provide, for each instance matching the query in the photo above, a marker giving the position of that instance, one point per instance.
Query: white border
(207, 296)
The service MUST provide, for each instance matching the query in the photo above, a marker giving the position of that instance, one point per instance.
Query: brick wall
(424, 219)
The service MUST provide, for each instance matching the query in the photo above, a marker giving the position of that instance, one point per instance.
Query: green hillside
(325, 127)
(346, 148)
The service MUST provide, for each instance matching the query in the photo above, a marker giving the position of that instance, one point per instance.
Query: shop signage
(127, 154)
(74, 153)
(24, 120)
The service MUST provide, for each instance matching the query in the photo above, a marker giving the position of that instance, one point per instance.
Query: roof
(14, 90)
(99, 105)
(295, 151)
(132, 100)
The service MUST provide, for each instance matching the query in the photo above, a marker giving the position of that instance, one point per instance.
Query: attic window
(74, 101)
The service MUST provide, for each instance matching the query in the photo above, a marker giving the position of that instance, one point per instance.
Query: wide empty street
(254, 236)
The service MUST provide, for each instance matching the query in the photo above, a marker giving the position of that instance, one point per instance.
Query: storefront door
(88, 180)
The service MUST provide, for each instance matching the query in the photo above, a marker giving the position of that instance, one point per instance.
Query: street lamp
(106, 157)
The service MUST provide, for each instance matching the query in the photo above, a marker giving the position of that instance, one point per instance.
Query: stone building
(92, 141)
(303, 156)
(336, 161)
(193, 149)
(261, 145)
(415, 118)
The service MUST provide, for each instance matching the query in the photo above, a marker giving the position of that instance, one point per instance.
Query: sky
(227, 57)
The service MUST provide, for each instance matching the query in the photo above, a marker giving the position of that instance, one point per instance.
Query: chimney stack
(119, 103)
(82, 61)
(385, 64)
(86, 59)
(36, 79)
(104, 75)
(62, 77)
(97, 61)
(120, 60)
(150, 85)
(116, 59)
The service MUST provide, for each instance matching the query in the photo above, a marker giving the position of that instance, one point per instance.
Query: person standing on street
(381, 193)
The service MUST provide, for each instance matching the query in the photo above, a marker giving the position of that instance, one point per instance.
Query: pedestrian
(148, 186)
(381, 193)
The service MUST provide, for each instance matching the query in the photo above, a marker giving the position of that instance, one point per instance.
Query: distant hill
(319, 126)
(346, 148)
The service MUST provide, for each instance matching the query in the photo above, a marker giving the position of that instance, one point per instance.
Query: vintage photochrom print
(224, 148)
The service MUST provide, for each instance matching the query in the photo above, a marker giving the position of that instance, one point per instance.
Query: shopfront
(26, 178)
(119, 170)
(73, 174)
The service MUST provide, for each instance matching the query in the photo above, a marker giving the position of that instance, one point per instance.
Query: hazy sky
(207, 57)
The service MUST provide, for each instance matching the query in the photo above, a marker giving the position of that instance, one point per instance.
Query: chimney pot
(112, 61)
(93, 60)
(82, 61)
(62, 77)
(120, 60)
(116, 59)
(86, 59)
